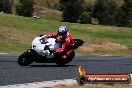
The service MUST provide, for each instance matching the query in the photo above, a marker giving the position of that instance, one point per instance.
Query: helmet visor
(62, 33)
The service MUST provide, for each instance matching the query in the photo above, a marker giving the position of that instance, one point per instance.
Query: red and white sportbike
(43, 51)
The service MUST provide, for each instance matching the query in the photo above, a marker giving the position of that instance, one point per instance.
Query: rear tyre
(63, 62)
(25, 59)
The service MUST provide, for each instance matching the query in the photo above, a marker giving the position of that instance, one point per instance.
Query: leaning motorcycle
(43, 51)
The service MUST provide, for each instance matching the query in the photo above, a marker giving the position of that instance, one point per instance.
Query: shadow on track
(52, 66)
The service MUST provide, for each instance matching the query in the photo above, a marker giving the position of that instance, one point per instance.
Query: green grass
(16, 34)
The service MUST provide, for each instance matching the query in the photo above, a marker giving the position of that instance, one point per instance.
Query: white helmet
(62, 31)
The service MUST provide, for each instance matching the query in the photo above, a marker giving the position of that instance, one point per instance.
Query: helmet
(62, 31)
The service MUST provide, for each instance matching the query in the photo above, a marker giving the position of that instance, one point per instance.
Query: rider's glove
(56, 41)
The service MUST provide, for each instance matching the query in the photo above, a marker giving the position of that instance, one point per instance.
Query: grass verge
(16, 34)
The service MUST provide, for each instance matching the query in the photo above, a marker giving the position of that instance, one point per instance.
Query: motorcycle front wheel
(25, 59)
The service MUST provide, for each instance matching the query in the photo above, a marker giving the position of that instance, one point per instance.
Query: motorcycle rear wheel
(63, 62)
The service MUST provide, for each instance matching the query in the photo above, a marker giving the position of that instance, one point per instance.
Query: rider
(65, 39)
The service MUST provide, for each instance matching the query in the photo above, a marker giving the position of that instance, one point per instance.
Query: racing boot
(64, 56)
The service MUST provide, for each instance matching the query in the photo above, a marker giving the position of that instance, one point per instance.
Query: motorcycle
(43, 51)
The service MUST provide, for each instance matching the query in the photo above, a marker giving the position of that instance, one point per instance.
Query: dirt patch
(96, 86)
(90, 47)
(15, 36)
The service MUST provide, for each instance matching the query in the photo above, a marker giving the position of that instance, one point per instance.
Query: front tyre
(25, 59)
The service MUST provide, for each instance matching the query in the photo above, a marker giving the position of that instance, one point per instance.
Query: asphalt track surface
(12, 73)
